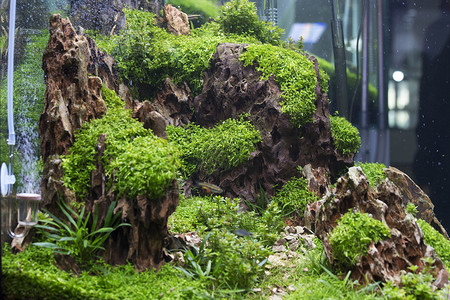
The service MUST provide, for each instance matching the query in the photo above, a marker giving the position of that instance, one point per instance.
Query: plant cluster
(352, 236)
(294, 73)
(146, 54)
(111, 99)
(374, 172)
(203, 214)
(294, 196)
(436, 240)
(235, 245)
(222, 147)
(135, 160)
(241, 259)
(345, 136)
(37, 277)
(75, 236)
(240, 17)
(414, 284)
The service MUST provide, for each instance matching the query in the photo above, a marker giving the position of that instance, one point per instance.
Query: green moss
(352, 236)
(374, 172)
(147, 165)
(111, 99)
(240, 17)
(146, 54)
(135, 160)
(222, 147)
(293, 72)
(436, 240)
(294, 196)
(202, 214)
(345, 135)
(32, 274)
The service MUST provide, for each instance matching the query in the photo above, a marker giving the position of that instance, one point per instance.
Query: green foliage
(205, 213)
(374, 172)
(111, 99)
(147, 54)
(146, 166)
(293, 72)
(220, 148)
(241, 259)
(205, 8)
(345, 135)
(414, 284)
(74, 236)
(134, 159)
(32, 274)
(196, 259)
(436, 240)
(411, 209)
(240, 17)
(324, 80)
(353, 235)
(294, 196)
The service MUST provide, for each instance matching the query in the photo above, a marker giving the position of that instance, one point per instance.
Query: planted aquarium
(222, 149)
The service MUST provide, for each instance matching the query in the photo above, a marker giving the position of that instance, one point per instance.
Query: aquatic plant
(436, 240)
(225, 146)
(135, 160)
(146, 54)
(374, 172)
(294, 196)
(145, 166)
(414, 284)
(35, 272)
(294, 73)
(74, 236)
(354, 232)
(345, 136)
(241, 259)
(240, 17)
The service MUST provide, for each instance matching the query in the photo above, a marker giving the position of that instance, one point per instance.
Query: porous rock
(175, 20)
(229, 90)
(75, 70)
(72, 96)
(412, 193)
(171, 106)
(387, 258)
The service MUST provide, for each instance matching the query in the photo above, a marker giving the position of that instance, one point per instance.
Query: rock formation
(230, 89)
(176, 21)
(75, 70)
(387, 258)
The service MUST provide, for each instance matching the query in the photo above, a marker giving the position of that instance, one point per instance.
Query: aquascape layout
(187, 151)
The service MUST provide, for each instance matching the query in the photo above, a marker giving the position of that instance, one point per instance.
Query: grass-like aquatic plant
(78, 235)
